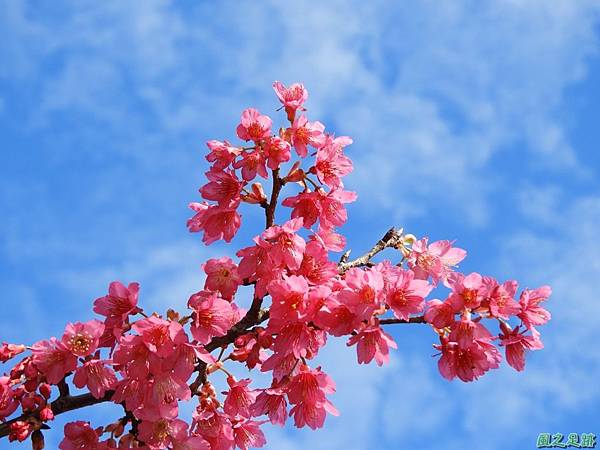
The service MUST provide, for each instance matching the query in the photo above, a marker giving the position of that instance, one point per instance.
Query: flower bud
(46, 414)
(37, 440)
(46, 390)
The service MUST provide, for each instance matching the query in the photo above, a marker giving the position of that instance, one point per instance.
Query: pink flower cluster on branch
(301, 298)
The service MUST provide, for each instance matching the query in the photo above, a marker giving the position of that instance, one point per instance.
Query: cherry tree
(301, 297)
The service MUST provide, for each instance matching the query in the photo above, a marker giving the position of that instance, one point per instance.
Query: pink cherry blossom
(272, 403)
(307, 205)
(120, 303)
(164, 433)
(222, 154)
(96, 376)
(516, 345)
(292, 97)
(217, 222)
(405, 295)
(331, 165)
(364, 292)
(82, 338)
(435, 260)
(222, 276)
(9, 351)
(239, 398)
(285, 246)
(302, 340)
(252, 163)
(307, 392)
(467, 291)
(254, 126)
(468, 363)
(289, 300)
(80, 435)
(247, 434)
(224, 187)
(372, 343)
(501, 300)
(277, 151)
(213, 316)
(160, 336)
(54, 359)
(439, 314)
(330, 239)
(532, 314)
(304, 133)
(8, 401)
(316, 266)
(334, 213)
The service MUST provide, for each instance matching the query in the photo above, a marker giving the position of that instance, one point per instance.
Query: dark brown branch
(272, 205)
(419, 319)
(61, 405)
(393, 238)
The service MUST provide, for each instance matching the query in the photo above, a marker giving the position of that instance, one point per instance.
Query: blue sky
(474, 121)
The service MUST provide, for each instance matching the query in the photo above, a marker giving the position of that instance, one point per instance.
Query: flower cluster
(301, 298)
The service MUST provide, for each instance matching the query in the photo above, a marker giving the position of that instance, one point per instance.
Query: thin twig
(393, 238)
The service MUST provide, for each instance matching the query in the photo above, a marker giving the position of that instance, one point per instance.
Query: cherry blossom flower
(222, 276)
(331, 165)
(82, 338)
(372, 343)
(239, 398)
(213, 316)
(120, 303)
(80, 435)
(405, 295)
(292, 97)
(304, 133)
(8, 401)
(364, 292)
(247, 434)
(285, 246)
(254, 126)
(252, 163)
(277, 151)
(307, 392)
(434, 260)
(96, 376)
(224, 187)
(9, 351)
(501, 300)
(532, 314)
(272, 403)
(54, 359)
(222, 154)
(160, 336)
(217, 222)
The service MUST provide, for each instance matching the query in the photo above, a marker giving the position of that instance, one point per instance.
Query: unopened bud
(46, 414)
(37, 440)
(409, 239)
(172, 315)
(295, 174)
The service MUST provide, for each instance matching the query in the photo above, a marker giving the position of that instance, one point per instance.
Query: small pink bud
(46, 414)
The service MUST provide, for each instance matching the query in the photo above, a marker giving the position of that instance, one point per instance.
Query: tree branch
(419, 319)
(270, 209)
(61, 405)
(393, 238)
